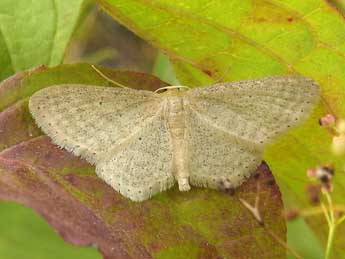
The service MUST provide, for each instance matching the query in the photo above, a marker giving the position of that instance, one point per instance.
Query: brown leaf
(64, 189)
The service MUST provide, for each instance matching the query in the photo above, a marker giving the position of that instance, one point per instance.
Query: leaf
(63, 189)
(224, 40)
(307, 245)
(339, 4)
(20, 224)
(34, 33)
(163, 69)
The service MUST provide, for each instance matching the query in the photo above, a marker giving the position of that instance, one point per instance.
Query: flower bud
(322, 173)
(291, 214)
(327, 187)
(338, 145)
(311, 172)
(313, 192)
(340, 126)
(327, 120)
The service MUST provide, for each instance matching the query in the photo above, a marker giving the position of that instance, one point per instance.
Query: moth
(142, 142)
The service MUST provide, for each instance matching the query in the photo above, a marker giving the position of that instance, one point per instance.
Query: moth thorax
(175, 116)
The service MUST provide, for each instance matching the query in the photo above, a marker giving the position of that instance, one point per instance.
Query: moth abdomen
(176, 125)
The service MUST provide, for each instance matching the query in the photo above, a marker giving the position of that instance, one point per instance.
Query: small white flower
(338, 145)
(340, 126)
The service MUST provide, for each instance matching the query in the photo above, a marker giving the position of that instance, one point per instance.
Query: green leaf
(34, 33)
(340, 4)
(307, 245)
(164, 70)
(201, 223)
(26, 235)
(208, 41)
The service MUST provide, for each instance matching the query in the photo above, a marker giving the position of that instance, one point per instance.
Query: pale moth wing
(142, 142)
(217, 159)
(100, 123)
(143, 165)
(228, 124)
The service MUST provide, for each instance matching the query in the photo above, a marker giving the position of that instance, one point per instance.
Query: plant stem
(326, 214)
(330, 204)
(330, 241)
(332, 225)
(341, 220)
(318, 210)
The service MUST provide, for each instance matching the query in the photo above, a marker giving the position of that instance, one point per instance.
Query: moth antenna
(172, 87)
(107, 78)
